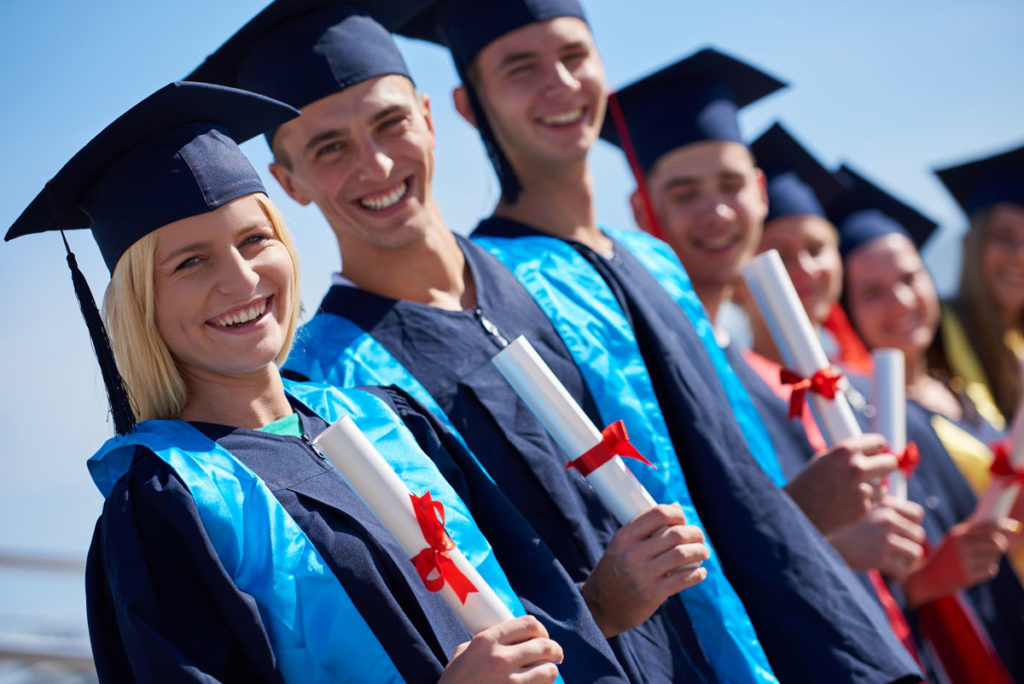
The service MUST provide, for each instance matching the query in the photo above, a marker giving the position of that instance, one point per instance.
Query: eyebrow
(183, 250)
(515, 57)
(324, 135)
(196, 246)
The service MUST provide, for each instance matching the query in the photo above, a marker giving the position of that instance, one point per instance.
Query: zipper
(313, 447)
(489, 327)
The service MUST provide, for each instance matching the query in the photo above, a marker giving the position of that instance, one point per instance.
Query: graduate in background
(980, 342)
(228, 548)
(418, 307)
(891, 302)
(533, 85)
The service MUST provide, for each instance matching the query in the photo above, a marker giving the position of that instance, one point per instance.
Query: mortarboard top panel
(797, 182)
(693, 100)
(979, 184)
(171, 156)
(865, 212)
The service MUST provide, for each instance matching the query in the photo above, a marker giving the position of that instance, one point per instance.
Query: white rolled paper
(889, 390)
(387, 496)
(570, 427)
(800, 347)
(998, 499)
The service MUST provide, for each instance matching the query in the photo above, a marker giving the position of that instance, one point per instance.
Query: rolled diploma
(998, 499)
(570, 427)
(890, 400)
(389, 499)
(800, 347)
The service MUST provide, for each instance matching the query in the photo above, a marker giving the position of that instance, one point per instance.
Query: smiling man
(418, 307)
(533, 84)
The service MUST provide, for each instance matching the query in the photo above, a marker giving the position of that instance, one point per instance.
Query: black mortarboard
(171, 156)
(864, 212)
(979, 184)
(299, 51)
(693, 100)
(468, 26)
(797, 182)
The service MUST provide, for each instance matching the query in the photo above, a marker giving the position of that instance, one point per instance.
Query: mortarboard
(865, 211)
(299, 51)
(797, 181)
(979, 184)
(693, 100)
(171, 156)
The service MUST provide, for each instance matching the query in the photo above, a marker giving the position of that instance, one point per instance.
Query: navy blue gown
(814, 619)
(162, 608)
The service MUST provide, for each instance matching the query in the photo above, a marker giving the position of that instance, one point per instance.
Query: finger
(516, 631)
(545, 673)
(871, 467)
(534, 652)
(871, 443)
(901, 552)
(679, 557)
(914, 512)
(645, 524)
(907, 529)
(680, 580)
(668, 537)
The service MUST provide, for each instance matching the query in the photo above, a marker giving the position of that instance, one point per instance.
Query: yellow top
(965, 369)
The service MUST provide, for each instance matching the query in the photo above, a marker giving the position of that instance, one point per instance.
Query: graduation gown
(814, 619)
(444, 357)
(155, 617)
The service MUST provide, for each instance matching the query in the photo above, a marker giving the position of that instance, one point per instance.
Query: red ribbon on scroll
(435, 558)
(614, 442)
(825, 382)
(908, 460)
(1001, 465)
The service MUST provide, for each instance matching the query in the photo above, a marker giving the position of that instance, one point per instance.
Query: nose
(903, 295)
(719, 211)
(805, 263)
(376, 163)
(237, 275)
(561, 78)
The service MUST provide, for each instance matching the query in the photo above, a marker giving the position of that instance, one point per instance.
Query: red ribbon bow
(430, 516)
(825, 382)
(1001, 464)
(908, 460)
(614, 442)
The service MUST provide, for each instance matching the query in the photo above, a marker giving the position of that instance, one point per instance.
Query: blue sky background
(895, 88)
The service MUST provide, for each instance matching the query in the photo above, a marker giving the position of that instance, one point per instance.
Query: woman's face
(1002, 259)
(892, 301)
(223, 290)
(809, 251)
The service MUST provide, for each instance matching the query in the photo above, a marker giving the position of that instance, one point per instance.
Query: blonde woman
(228, 548)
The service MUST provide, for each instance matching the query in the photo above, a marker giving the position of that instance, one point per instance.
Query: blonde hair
(150, 373)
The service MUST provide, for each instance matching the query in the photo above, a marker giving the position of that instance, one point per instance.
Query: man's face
(365, 157)
(710, 201)
(543, 89)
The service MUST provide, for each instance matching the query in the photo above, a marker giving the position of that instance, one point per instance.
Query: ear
(461, 99)
(427, 113)
(636, 202)
(762, 186)
(287, 182)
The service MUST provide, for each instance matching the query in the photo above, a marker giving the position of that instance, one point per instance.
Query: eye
(575, 58)
(187, 264)
(328, 149)
(394, 123)
(732, 184)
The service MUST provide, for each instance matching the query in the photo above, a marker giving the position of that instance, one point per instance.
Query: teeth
(717, 244)
(244, 316)
(564, 118)
(385, 201)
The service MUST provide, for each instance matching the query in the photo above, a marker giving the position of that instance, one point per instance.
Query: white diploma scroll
(889, 392)
(389, 499)
(800, 347)
(574, 432)
(1002, 492)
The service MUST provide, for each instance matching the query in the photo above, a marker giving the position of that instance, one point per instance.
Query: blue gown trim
(316, 632)
(662, 263)
(588, 318)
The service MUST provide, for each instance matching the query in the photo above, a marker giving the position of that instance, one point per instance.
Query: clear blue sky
(893, 87)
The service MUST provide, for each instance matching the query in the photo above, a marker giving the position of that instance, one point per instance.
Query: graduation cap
(693, 100)
(865, 212)
(171, 156)
(797, 182)
(982, 183)
(299, 51)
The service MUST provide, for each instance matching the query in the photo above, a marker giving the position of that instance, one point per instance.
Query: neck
(712, 298)
(916, 367)
(558, 201)
(249, 401)
(429, 270)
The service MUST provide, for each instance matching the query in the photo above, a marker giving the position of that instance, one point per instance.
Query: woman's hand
(516, 650)
(644, 564)
(968, 555)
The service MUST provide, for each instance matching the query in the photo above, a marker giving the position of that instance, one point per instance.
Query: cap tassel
(619, 121)
(507, 179)
(117, 393)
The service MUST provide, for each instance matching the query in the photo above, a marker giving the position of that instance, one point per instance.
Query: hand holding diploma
(655, 554)
(1007, 475)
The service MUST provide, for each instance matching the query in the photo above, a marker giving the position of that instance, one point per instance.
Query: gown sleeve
(161, 607)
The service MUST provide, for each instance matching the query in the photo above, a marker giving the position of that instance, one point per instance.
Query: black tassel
(117, 393)
(507, 178)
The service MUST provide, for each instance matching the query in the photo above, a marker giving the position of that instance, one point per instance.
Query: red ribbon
(908, 460)
(1001, 464)
(430, 516)
(614, 442)
(825, 382)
